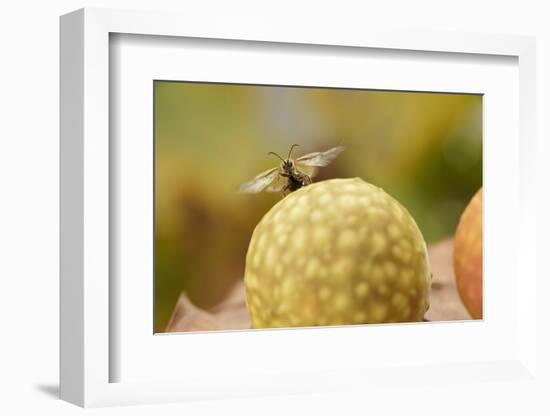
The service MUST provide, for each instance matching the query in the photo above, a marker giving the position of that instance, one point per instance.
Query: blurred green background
(425, 149)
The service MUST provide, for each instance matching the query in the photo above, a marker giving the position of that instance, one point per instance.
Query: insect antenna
(275, 154)
(290, 151)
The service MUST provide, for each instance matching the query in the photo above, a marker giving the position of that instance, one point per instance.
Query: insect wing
(310, 171)
(319, 159)
(260, 182)
(278, 184)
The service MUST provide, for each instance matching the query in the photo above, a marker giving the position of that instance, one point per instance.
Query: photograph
(282, 206)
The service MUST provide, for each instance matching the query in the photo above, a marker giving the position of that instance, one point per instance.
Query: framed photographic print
(317, 259)
(265, 211)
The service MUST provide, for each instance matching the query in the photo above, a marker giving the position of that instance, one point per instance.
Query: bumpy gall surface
(336, 252)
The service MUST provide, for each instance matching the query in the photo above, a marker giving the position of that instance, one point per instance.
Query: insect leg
(285, 188)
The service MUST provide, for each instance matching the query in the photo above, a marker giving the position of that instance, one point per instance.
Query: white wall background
(29, 205)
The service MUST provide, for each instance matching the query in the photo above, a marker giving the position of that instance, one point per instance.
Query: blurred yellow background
(425, 149)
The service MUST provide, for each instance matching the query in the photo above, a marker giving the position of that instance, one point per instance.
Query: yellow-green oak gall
(337, 252)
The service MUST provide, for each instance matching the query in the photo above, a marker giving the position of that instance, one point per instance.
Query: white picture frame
(87, 356)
